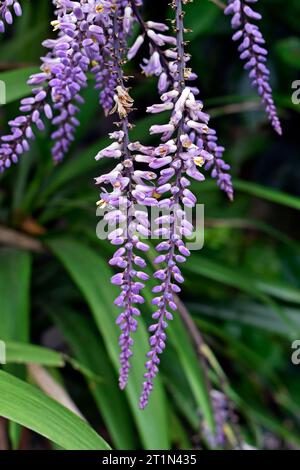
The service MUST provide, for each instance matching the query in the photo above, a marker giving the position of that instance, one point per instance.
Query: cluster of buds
(7, 8)
(83, 44)
(252, 50)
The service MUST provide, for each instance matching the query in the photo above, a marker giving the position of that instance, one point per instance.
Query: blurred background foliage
(242, 291)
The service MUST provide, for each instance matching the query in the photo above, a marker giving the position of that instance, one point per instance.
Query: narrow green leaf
(19, 353)
(244, 281)
(87, 347)
(288, 50)
(15, 273)
(254, 189)
(249, 313)
(15, 268)
(269, 194)
(191, 367)
(29, 407)
(201, 18)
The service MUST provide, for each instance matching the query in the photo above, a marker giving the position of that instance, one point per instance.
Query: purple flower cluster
(124, 188)
(252, 50)
(162, 64)
(219, 168)
(84, 43)
(6, 15)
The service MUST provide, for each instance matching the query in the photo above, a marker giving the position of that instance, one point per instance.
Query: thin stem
(145, 28)
(219, 4)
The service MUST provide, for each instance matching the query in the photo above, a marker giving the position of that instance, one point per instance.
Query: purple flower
(252, 50)
(103, 63)
(35, 109)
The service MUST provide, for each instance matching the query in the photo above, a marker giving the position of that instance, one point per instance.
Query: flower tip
(143, 404)
(122, 386)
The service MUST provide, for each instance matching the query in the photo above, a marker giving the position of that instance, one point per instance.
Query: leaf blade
(29, 407)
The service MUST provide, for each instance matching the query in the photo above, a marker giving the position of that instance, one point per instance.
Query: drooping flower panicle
(129, 188)
(252, 50)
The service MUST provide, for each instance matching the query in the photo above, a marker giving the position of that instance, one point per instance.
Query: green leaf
(15, 82)
(249, 313)
(255, 287)
(92, 275)
(269, 194)
(240, 352)
(243, 281)
(15, 270)
(254, 189)
(87, 347)
(19, 353)
(191, 367)
(15, 274)
(29, 407)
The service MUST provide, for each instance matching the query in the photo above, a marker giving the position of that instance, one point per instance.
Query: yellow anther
(55, 24)
(199, 161)
(99, 8)
(102, 204)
